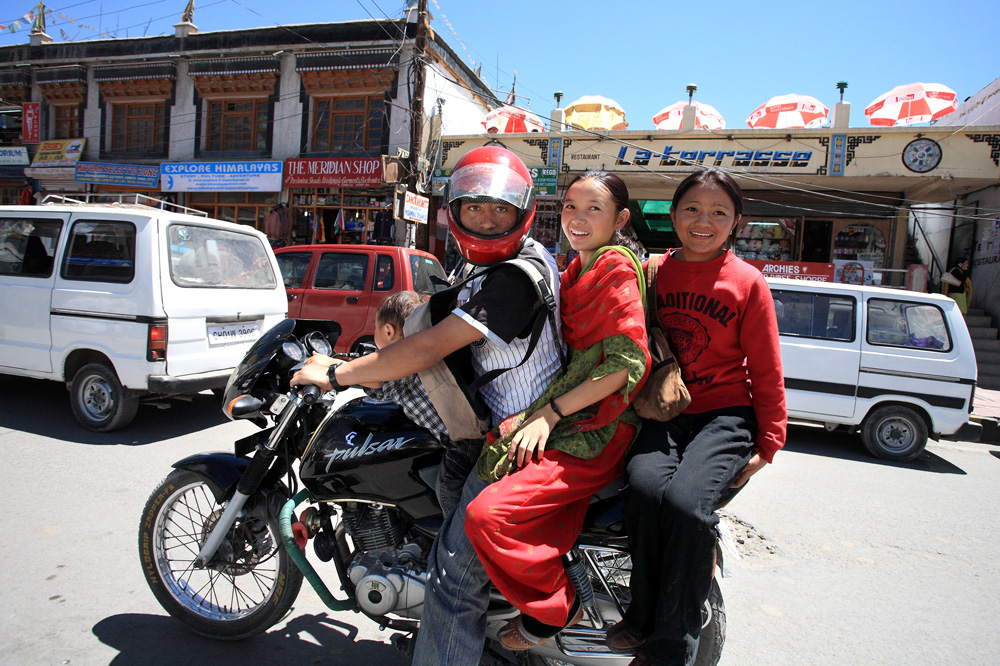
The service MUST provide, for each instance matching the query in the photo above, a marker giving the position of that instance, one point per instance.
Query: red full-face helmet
(491, 175)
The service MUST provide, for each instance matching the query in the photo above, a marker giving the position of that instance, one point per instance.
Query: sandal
(514, 637)
(619, 639)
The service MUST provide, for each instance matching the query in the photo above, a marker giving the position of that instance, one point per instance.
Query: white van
(898, 365)
(129, 301)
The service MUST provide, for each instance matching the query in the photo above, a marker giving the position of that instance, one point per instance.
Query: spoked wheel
(250, 583)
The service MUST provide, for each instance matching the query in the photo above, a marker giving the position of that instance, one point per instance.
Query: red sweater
(720, 319)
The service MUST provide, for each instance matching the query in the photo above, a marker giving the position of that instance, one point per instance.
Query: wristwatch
(331, 374)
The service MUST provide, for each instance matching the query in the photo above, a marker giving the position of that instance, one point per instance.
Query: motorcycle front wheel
(250, 583)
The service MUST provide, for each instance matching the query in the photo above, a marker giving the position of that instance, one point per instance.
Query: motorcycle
(224, 552)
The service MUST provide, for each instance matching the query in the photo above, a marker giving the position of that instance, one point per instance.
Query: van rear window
(219, 258)
(905, 324)
(805, 315)
(428, 276)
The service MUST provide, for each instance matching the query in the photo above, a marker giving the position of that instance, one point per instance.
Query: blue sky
(641, 53)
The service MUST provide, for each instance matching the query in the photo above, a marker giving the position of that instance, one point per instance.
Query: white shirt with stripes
(516, 389)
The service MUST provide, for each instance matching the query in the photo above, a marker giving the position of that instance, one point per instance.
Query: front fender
(221, 471)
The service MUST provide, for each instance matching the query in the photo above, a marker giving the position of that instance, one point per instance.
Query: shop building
(838, 196)
(313, 122)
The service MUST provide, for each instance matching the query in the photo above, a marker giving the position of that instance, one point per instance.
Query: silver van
(123, 302)
(897, 365)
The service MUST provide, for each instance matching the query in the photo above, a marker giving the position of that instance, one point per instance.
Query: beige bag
(664, 394)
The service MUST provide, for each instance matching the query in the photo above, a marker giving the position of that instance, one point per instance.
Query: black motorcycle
(224, 552)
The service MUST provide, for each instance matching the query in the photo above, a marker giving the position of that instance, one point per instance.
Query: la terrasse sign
(333, 172)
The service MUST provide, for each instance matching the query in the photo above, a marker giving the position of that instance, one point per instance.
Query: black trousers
(679, 472)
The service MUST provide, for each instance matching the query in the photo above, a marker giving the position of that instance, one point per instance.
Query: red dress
(522, 524)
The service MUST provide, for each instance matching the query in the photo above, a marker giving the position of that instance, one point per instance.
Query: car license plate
(224, 334)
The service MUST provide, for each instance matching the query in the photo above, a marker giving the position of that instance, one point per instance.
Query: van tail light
(156, 343)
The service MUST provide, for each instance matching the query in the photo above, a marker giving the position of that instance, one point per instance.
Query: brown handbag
(664, 394)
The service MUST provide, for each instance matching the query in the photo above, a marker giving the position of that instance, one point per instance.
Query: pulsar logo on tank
(369, 447)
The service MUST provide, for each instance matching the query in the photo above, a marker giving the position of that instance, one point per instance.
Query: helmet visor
(495, 181)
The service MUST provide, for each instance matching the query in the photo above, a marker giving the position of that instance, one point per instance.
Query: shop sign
(16, 155)
(31, 122)
(220, 176)
(806, 156)
(333, 172)
(415, 208)
(796, 270)
(63, 152)
(545, 180)
(127, 175)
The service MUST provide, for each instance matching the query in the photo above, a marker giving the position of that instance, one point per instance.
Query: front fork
(250, 481)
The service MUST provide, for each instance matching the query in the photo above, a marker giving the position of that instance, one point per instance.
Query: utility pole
(417, 107)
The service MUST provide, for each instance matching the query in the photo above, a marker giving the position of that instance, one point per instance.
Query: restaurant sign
(806, 155)
(333, 172)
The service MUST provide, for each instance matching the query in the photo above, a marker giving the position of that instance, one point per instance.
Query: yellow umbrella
(596, 112)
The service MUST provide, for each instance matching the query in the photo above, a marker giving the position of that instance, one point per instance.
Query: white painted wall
(182, 117)
(286, 141)
(461, 113)
(983, 108)
(935, 221)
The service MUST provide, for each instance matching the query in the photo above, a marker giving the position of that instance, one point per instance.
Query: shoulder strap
(545, 310)
(651, 267)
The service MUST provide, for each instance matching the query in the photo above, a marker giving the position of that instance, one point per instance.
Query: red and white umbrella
(912, 103)
(705, 117)
(789, 111)
(510, 119)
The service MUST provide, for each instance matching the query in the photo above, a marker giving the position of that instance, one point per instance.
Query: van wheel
(894, 433)
(99, 400)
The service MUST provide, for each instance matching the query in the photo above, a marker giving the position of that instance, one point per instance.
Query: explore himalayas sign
(333, 172)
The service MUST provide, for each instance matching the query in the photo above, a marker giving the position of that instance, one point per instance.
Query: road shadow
(42, 407)
(155, 640)
(848, 446)
(995, 454)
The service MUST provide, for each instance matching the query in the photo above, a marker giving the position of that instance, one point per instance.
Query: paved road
(862, 562)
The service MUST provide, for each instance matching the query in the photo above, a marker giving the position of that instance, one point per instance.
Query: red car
(346, 283)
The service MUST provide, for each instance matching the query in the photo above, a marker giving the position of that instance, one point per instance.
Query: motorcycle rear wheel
(250, 584)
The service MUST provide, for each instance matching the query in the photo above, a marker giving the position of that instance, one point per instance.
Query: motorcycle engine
(387, 571)
(387, 581)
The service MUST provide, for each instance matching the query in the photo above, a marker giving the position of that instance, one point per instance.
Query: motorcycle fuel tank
(370, 450)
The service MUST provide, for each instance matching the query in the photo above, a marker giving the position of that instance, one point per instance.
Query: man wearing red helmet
(490, 212)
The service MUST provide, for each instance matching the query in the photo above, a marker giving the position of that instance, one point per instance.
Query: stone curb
(991, 429)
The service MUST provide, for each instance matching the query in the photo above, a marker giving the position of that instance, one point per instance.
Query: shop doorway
(816, 238)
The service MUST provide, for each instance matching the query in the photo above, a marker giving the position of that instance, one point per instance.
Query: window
(341, 271)
(293, 266)
(428, 276)
(139, 128)
(385, 276)
(210, 257)
(341, 124)
(238, 125)
(67, 121)
(100, 251)
(27, 246)
(809, 315)
(902, 324)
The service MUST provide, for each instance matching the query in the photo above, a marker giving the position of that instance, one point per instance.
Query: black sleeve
(505, 304)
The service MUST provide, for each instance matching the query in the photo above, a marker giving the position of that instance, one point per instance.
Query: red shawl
(603, 302)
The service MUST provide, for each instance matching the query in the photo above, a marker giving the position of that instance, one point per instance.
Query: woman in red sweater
(719, 316)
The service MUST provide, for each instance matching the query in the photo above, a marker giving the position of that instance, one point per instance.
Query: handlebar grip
(310, 394)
